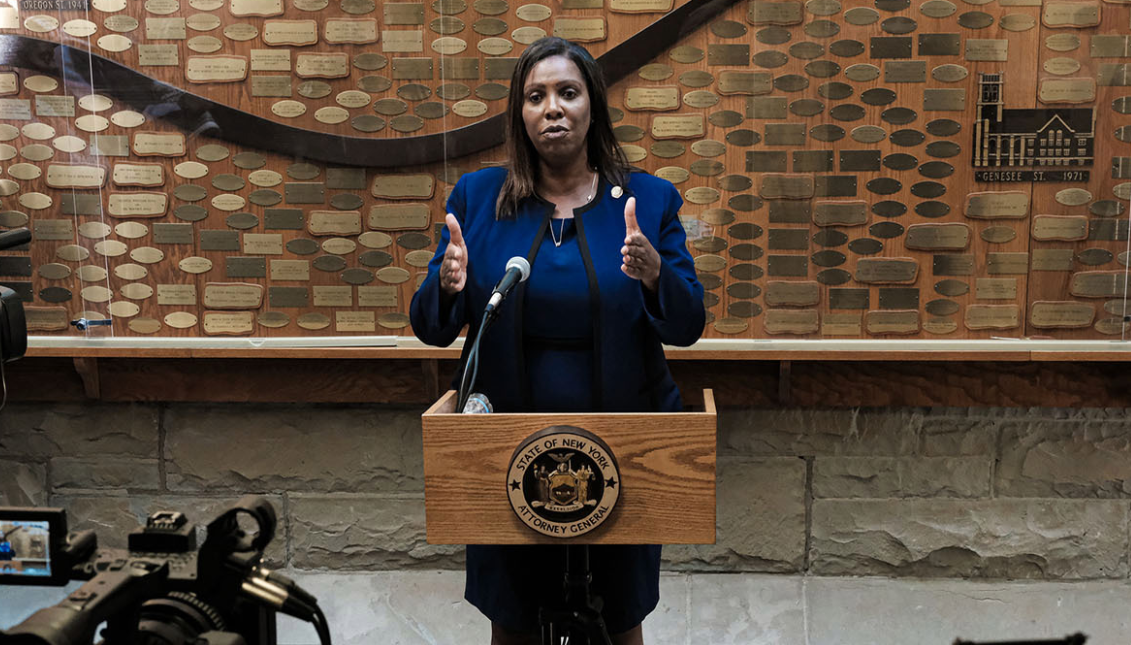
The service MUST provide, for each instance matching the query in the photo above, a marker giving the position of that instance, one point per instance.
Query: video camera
(161, 590)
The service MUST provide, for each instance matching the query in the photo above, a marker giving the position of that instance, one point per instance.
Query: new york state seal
(563, 481)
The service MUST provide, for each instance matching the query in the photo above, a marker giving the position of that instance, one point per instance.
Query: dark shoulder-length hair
(604, 153)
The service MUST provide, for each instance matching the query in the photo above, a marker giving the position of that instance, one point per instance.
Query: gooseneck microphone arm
(518, 270)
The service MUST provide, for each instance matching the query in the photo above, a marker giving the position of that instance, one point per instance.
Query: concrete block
(818, 432)
(105, 472)
(1064, 459)
(22, 484)
(364, 532)
(970, 538)
(887, 477)
(302, 448)
(36, 430)
(760, 519)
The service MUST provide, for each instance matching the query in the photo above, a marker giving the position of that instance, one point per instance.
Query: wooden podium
(666, 462)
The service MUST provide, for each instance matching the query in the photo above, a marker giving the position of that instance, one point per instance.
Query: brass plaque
(1007, 263)
(260, 8)
(351, 31)
(850, 299)
(1073, 197)
(760, 12)
(891, 322)
(263, 243)
(995, 288)
(1062, 42)
(997, 205)
(241, 267)
(1062, 66)
(886, 270)
(745, 83)
(302, 246)
(412, 69)
(780, 293)
(901, 71)
(242, 221)
(499, 68)
(841, 324)
(938, 237)
(190, 192)
(142, 205)
(992, 317)
(232, 295)
(195, 265)
(1068, 90)
(1098, 284)
(339, 246)
(333, 296)
(334, 223)
(357, 276)
(987, 49)
(370, 61)
(652, 98)
(728, 54)
(75, 176)
(1054, 314)
(148, 175)
(229, 324)
(396, 217)
(899, 298)
(860, 16)
(159, 144)
(322, 65)
(641, 6)
(217, 240)
(683, 126)
(354, 321)
(172, 233)
(402, 42)
(1052, 259)
(290, 270)
(305, 192)
(228, 202)
(416, 186)
(450, 45)
(788, 321)
(406, 123)
(1062, 228)
(221, 68)
(314, 321)
(358, 7)
(998, 234)
(581, 30)
(1071, 14)
(53, 229)
(1110, 46)
(377, 297)
(403, 13)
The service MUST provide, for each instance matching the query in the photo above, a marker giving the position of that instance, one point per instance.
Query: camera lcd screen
(25, 548)
(31, 546)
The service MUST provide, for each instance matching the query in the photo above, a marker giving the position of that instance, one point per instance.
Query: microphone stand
(580, 613)
(472, 366)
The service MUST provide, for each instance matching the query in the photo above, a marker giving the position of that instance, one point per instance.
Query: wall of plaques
(896, 168)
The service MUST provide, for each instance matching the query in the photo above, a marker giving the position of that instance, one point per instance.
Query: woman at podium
(611, 281)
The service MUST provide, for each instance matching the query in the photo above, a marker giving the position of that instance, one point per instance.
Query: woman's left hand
(639, 259)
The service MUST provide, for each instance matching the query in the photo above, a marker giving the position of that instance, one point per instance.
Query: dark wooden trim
(737, 384)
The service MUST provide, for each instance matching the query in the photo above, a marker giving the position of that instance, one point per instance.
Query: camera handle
(111, 596)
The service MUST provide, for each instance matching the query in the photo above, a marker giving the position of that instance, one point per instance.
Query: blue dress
(581, 336)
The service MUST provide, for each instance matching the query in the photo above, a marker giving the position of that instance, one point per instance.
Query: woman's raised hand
(639, 260)
(453, 269)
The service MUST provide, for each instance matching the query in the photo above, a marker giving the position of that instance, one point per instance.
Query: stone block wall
(927, 495)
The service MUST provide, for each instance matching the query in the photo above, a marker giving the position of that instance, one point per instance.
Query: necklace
(561, 234)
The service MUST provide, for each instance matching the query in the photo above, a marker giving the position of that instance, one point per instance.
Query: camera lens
(177, 619)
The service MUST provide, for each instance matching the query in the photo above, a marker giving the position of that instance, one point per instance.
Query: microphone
(518, 270)
(478, 404)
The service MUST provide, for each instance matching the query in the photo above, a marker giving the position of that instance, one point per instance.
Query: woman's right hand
(453, 270)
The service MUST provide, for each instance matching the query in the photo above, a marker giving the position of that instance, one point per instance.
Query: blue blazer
(630, 373)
